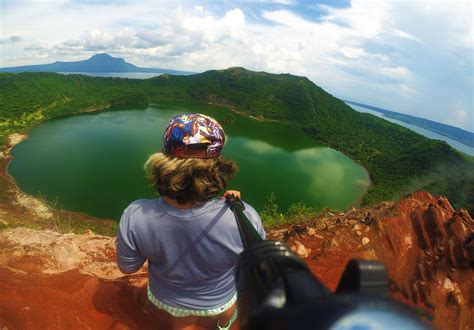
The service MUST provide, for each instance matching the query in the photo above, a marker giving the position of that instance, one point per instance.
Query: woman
(189, 237)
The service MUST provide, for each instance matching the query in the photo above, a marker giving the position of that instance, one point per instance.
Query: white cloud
(403, 34)
(352, 52)
(285, 2)
(397, 72)
(287, 18)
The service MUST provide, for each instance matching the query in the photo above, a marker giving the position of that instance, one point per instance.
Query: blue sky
(414, 57)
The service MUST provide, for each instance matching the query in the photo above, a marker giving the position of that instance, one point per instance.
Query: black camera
(278, 291)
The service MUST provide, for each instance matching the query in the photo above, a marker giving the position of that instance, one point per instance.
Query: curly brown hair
(189, 180)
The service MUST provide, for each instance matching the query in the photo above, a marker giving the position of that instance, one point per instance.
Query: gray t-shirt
(192, 253)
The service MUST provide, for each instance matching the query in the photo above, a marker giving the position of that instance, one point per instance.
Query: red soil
(422, 240)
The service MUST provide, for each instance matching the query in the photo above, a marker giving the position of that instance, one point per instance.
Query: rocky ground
(55, 281)
(69, 281)
(427, 247)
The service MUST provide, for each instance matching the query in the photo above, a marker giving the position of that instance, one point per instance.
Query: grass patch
(64, 222)
(297, 213)
(74, 224)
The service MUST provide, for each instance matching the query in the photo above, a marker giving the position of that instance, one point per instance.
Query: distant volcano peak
(105, 57)
(101, 55)
(101, 62)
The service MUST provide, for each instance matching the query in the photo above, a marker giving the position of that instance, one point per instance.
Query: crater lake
(93, 162)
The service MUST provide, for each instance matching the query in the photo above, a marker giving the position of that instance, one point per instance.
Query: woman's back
(191, 253)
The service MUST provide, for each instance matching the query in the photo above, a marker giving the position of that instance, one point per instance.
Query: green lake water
(93, 163)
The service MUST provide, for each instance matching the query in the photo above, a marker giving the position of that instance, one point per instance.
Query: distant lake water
(131, 75)
(93, 162)
(429, 134)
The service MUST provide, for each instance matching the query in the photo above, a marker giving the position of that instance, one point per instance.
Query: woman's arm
(129, 259)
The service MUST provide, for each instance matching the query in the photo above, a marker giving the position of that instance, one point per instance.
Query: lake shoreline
(243, 113)
(26, 210)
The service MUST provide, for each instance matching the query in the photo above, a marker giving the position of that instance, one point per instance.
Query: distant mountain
(97, 63)
(451, 132)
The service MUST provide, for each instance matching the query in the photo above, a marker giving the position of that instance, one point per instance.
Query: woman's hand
(236, 193)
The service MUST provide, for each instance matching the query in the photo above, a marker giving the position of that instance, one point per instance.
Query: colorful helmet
(193, 136)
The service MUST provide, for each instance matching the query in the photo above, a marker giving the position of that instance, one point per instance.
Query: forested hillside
(399, 161)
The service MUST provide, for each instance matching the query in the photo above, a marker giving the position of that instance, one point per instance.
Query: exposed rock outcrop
(51, 280)
(25, 250)
(425, 244)
(16, 138)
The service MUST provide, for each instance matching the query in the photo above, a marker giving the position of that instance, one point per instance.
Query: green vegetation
(297, 213)
(29, 98)
(398, 160)
(270, 215)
